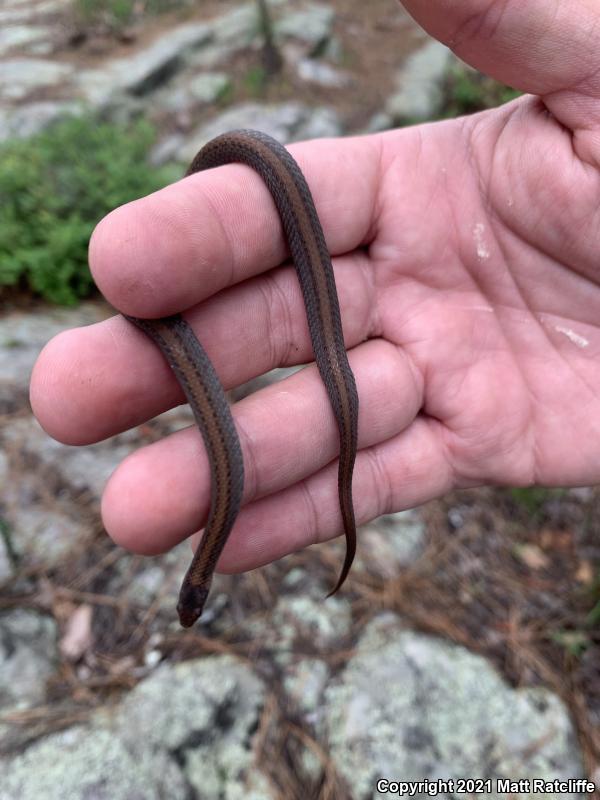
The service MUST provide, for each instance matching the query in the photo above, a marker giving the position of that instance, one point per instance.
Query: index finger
(176, 247)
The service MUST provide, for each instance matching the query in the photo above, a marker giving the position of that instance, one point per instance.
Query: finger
(402, 472)
(536, 46)
(93, 382)
(160, 494)
(174, 248)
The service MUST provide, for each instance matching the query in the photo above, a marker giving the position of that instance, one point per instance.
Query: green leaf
(55, 187)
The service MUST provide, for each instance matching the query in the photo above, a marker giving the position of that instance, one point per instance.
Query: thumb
(548, 49)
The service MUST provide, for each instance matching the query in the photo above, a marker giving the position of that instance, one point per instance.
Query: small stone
(420, 80)
(20, 76)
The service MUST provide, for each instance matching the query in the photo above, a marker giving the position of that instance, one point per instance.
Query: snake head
(191, 604)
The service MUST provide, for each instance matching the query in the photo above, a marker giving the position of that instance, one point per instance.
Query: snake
(199, 381)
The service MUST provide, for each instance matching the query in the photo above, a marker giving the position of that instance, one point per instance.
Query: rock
(186, 730)
(209, 86)
(420, 80)
(11, 17)
(20, 76)
(278, 121)
(32, 118)
(305, 682)
(303, 617)
(29, 11)
(37, 533)
(391, 542)
(22, 337)
(286, 122)
(94, 88)
(81, 764)
(203, 89)
(231, 33)
(237, 28)
(7, 567)
(411, 707)
(167, 149)
(380, 121)
(312, 25)
(333, 50)
(212, 711)
(147, 69)
(322, 74)
(73, 475)
(20, 35)
(44, 466)
(28, 651)
(319, 123)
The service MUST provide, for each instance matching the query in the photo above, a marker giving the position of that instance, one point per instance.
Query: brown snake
(200, 383)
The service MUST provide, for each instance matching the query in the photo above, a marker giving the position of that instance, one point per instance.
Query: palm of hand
(485, 279)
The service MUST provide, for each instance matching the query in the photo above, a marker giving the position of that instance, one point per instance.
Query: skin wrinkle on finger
(227, 249)
(308, 510)
(383, 489)
(282, 346)
(250, 449)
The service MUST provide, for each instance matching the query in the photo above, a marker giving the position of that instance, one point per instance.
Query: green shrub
(255, 81)
(117, 14)
(531, 498)
(54, 188)
(467, 91)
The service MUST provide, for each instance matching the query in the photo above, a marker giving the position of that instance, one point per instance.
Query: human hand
(465, 257)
